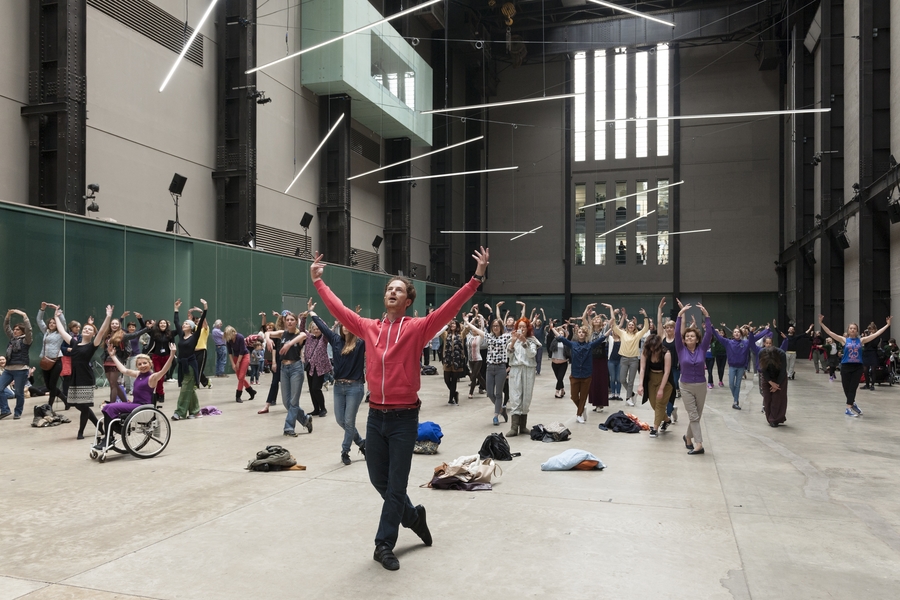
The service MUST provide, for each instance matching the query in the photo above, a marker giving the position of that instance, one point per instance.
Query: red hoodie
(392, 363)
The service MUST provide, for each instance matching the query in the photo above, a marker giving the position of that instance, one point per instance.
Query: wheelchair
(144, 433)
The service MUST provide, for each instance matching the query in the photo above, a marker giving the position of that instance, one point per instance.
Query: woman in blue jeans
(349, 361)
(738, 351)
(292, 374)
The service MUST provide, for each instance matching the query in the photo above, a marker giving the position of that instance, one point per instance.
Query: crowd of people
(500, 353)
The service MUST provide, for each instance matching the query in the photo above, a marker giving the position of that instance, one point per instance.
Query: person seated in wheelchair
(145, 381)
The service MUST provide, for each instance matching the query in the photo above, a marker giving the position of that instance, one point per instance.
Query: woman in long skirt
(774, 382)
(598, 395)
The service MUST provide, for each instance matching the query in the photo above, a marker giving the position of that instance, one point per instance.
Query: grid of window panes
(600, 224)
(640, 89)
(580, 194)
(599, 105)
(662, 223)
(580, 106)
(621, 218)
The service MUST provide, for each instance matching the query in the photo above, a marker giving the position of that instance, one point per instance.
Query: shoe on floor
(653, 433)
(175, 417)
(290, 433)
(699, 451)
(579, 418)
(345, 458)
(850, 413)
(721, 384)
(386, 557)
(323, 412)
(736, 406)
(709, 386)
(856, 409)
(496, 420)
(675, 415)
(362, 447)
(686, 445)
(309, 424)
(420, 527)
(16, 417)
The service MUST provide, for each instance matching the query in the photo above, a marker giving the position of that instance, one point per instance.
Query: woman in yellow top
(629, 350)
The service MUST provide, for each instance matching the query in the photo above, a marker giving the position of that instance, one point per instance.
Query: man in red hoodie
(393, 348)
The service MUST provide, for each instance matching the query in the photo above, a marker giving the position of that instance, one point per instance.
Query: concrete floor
(809, 510)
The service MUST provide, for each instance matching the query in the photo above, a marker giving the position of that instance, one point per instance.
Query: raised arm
(40, 318)
(104, 328)
(332, 337)
(659, 321)
(830, 333)
(111, 351)
(349, 318)
(497, 309)
(522, 304)
(472, 326)
(878, 333)
(61, 328)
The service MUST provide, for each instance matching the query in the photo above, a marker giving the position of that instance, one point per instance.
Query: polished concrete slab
(808, 510)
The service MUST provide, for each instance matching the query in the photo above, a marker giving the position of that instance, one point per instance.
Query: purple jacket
(738, 351)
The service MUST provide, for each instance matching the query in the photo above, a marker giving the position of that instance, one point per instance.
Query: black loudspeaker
(893, 209)
(306, 220)
(842, 240)
(170, 226)
(810, 257)
(177, 185)
(377, 242)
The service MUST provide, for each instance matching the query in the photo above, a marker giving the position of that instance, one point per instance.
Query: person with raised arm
(852, 363)
(394, 344)
(290, 365)
(145, 381)
(691, 349)
(81, 393)
(20, 338)
(738, 351)
(629, 350)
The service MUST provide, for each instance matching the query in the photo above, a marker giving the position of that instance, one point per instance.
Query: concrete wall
(731, 172)
(13, 96)
(851, 159)
(895, 143)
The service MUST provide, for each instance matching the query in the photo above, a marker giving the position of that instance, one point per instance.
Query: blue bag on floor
(429, 432)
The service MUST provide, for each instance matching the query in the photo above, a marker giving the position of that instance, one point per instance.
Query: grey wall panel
(731, 171)
(13, 96)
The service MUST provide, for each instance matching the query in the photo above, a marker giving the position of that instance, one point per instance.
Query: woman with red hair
(521, 353)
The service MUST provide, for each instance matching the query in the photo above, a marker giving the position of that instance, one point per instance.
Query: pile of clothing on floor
(45, 417)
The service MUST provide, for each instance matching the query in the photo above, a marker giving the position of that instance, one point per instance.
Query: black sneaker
(736, 406)
(345, 458)
(309, 425)
(362, 448)
(386, 557)
(291, 433)
(420, 528)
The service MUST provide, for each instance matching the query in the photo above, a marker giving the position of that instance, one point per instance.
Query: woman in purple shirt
(145, 381)
(317, 363)
(692, 360)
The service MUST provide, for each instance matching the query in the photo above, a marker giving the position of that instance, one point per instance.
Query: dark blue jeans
(20, 377)
(390, 439)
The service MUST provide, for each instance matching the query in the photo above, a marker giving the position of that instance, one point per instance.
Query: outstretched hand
(482, 257)
(317, 267)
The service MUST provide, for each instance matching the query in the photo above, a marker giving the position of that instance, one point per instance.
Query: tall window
(600, 224)
(599, 105)
(662, 99)
(641, 225)
(580, 191)
(641, 92)
(580, 106)
(621, 64)
(662, 222)
(621, 218)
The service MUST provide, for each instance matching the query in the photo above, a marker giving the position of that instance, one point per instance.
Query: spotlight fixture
(893, 210)
(842, 240)
(259, 96)
(170, 226)
(893, 161)
(413, 184)
(249, 240)
(856, 188)
(94, 189)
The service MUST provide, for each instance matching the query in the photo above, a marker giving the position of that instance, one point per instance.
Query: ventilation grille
(279, 241)
(365, 146)
(148, 19)
(418, 271)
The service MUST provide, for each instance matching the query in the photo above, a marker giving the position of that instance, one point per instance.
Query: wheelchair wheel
(146, 432)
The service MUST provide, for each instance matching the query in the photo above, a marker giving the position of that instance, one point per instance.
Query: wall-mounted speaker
(177, 185)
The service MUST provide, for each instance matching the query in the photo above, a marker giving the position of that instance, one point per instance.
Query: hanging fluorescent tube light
(415, 157)
(494, 104)
(448, 175)
(647, 235)
(346, 35)
(483, 231)
(764, 113)
(632, 12)
(662, 187)
(316, 151)
(188, 44)
(526, 233)
(629, 222)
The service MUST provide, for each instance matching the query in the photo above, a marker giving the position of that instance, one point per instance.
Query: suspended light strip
(526, 233)
(415, 157)
(662, 187)
(485, 232)
(632, 12)
(646, 235)
(629, 222)
(188, 44)
(346, 35)
(316, 151)
(764, 113)
(494, 104)
(449, 175)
